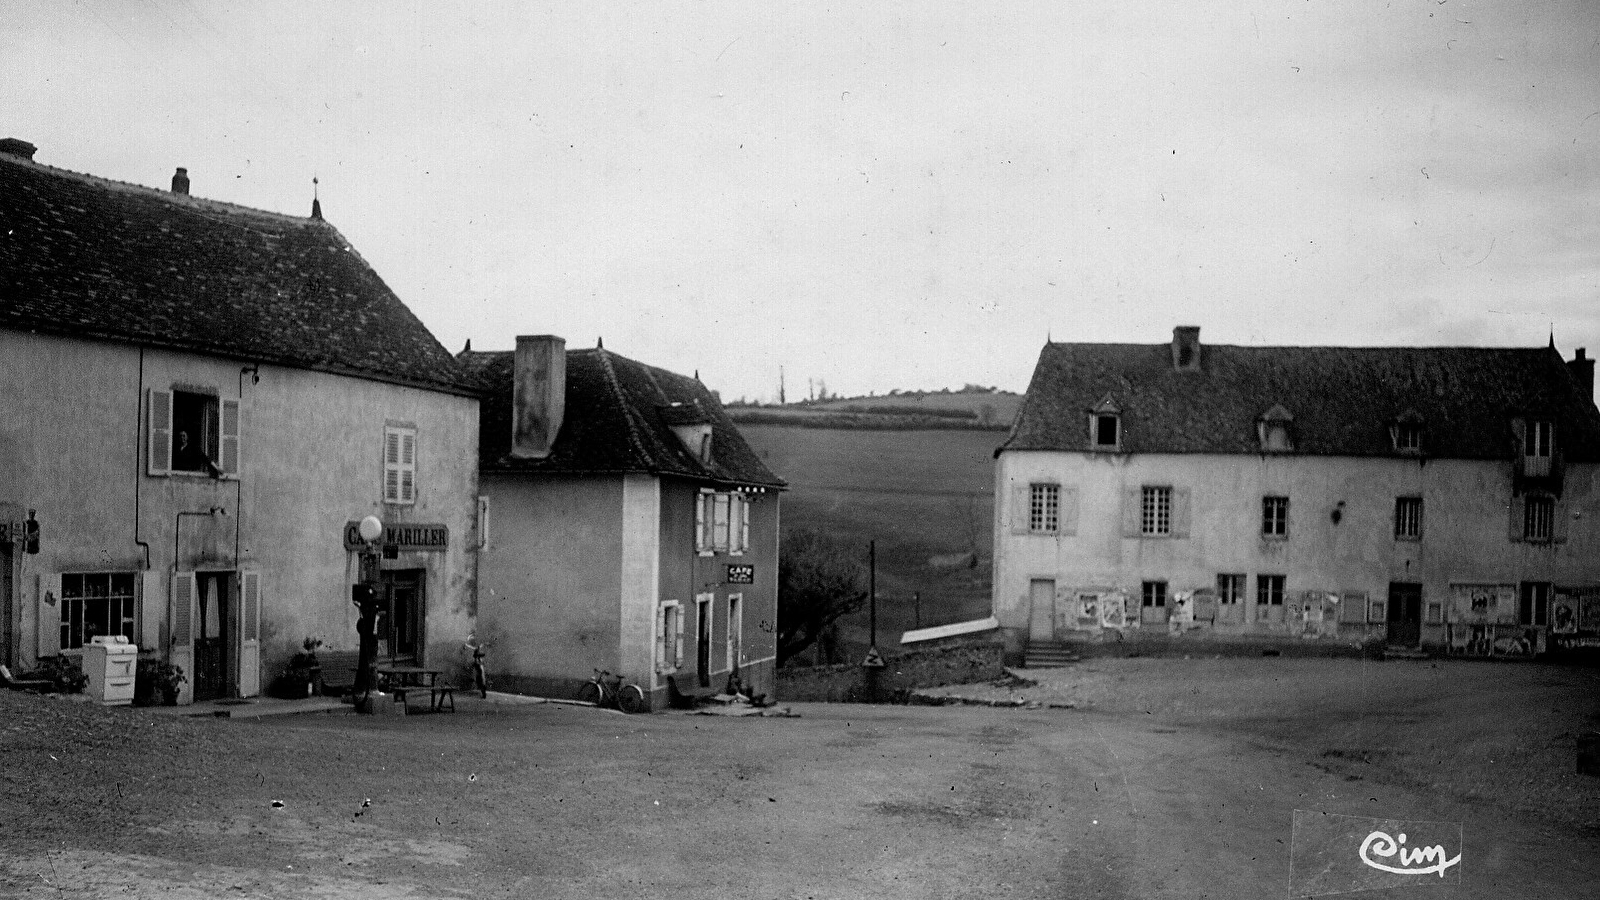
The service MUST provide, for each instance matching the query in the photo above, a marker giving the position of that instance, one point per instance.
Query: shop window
(96, 605)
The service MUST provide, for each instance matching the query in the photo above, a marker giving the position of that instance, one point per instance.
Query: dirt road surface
(1128, 799)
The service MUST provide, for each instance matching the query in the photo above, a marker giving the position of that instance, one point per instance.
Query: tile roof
(95, 258)
(1340, 400)
(619, 417)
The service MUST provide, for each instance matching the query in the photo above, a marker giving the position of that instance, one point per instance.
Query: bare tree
(819, 580)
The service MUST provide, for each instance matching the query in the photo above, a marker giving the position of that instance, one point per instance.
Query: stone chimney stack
(538, 394)
(17, 147)
(1582, 369)
(1186, 348)
(180, 181)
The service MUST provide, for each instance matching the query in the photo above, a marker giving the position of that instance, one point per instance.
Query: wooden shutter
(408, 467)
(1180, 512)
(744, 524)
(158, 432)
(677, 638)
(700, 541)
(151, 613)
(184, 614)
(1515, 528)
(1068, 512)
(483, 523)
(228, 443)
(49, 599)
(391, 466)
(1558, 520)
(1131, 498)
(1021, 507)
(1353, 607)
(249, 634)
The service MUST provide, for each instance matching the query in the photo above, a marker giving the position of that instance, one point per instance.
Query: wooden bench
(440, 696)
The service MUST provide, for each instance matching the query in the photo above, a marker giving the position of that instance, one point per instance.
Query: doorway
(1042, 609)
(8, 609)
(214, 602)
(1405, 614)
(402, 625)
(702, 638)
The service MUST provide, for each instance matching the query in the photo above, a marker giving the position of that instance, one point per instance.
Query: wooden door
(1041, 609)
(702, 641)
(211, 633)
(402, 628)
(1405, 614)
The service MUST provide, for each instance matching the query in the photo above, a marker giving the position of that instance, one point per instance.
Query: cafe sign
(401, 537)
(742, 574)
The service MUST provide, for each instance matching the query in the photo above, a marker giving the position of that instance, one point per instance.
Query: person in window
(186, 457)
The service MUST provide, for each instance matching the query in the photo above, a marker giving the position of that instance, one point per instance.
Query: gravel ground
(1497, 731)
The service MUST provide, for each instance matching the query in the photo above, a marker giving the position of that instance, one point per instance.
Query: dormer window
(1273, 430)
(1105, 425)
(692, 427)
(1539, 440)
(1406, 433)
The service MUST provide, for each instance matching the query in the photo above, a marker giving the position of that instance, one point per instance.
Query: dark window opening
(194, 432)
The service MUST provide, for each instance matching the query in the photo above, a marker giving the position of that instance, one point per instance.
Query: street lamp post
(365, 597)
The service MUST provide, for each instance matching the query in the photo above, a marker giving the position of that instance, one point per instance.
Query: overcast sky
(886, 196)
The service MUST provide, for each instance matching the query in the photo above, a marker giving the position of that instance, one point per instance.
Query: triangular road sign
(873, 660)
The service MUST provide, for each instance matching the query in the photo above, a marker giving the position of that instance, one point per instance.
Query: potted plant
(157, 681)
(303, 676)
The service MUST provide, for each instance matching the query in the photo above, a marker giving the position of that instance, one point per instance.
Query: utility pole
(781, 400)
(872, 593)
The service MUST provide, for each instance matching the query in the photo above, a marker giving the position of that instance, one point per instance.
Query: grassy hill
(921, 494)
(968, 409)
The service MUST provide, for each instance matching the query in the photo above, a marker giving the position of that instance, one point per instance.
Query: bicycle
(607, 691)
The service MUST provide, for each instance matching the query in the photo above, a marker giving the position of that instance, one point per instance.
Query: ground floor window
(94, 605)
(1269, 590)
(1533, 607)
(1155, 593)
(1230, 588)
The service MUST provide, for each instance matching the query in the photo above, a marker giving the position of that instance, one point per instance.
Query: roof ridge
(180, 201)
(615, 386)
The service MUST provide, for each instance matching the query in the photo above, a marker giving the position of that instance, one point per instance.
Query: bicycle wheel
(630, 699)
(589, 693)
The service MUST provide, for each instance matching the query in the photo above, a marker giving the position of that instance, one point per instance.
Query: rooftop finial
(599, 343)
(468, 347)
(316, 203)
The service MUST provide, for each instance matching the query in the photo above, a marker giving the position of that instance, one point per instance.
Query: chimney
(1582, 369)
(180, 181)
(17, 147)
(538, 394)
(1186, 348)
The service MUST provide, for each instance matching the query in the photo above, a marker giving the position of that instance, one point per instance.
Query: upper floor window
(1538, 518)
(191, 432)
(1273, 430)
(722, 522)
(1105, 425)
(1155, 510)
(1407, 518)
(1274, 516)
(399, 464)
(96, 605)
(1539, 438)
(1044, 508)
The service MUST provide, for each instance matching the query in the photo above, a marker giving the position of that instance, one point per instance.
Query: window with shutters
(96, 605)
(1044, 508)
(191, 431)
(399, 465)
(1155, 511)
(1408, 518)
(722, 523)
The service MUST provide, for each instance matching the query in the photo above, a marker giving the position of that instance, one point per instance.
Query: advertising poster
(1483, 604)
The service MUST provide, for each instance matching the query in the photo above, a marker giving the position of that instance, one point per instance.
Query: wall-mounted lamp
(1338, 512)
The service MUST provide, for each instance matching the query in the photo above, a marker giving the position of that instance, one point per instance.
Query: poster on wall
(1483, 604)
(1588, 608)
(1564, 612)
(1088, 610)
(1112, 611)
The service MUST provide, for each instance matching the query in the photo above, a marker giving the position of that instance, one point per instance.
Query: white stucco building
(1446, 497)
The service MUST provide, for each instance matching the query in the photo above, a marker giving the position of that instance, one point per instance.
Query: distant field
(919, 494)
(940, 411)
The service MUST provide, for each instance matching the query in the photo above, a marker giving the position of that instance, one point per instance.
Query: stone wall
(955, 663)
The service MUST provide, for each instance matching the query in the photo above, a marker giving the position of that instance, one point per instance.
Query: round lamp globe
(371, 529)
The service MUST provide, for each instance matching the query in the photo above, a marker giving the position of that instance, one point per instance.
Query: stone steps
(1040, 655)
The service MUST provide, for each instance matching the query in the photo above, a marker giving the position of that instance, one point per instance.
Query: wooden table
(402, 679)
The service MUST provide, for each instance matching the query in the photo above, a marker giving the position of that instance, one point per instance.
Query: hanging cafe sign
(401, 537)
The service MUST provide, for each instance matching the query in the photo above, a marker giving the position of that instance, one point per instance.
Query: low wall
(959, 663)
